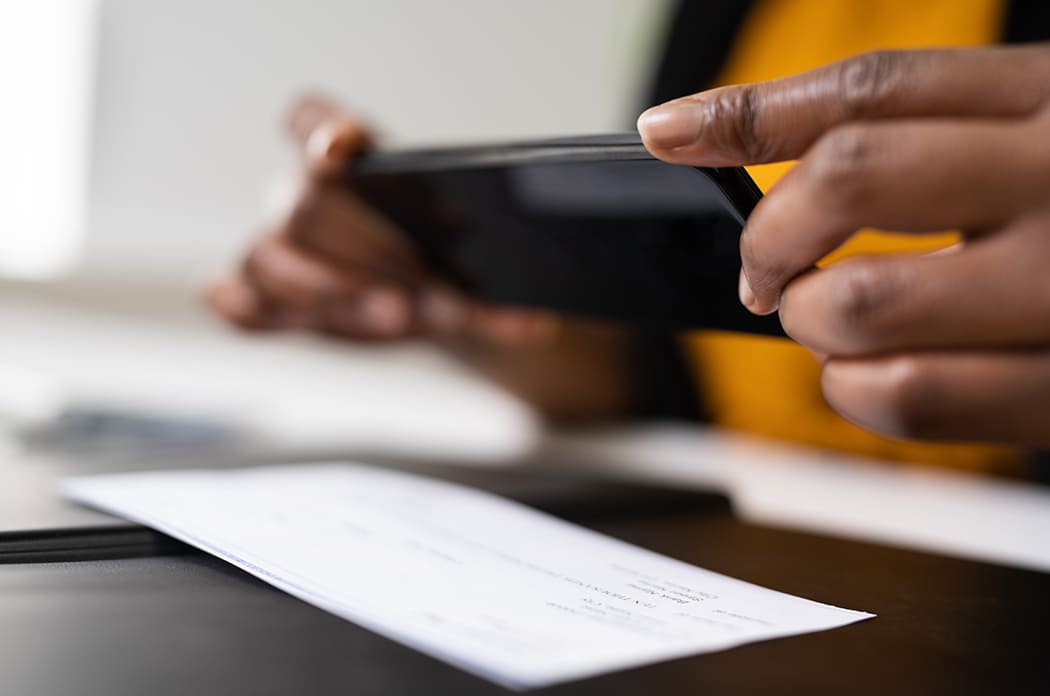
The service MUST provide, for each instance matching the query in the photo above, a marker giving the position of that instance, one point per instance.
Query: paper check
(489, 585)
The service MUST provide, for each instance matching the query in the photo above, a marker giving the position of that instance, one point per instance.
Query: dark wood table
(180, 622)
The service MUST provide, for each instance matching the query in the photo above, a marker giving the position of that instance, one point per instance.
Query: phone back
(594, 228)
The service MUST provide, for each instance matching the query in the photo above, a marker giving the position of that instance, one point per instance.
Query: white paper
(492, 586)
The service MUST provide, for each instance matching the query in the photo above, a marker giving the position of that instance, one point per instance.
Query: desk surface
(190, 624)
(135, 352)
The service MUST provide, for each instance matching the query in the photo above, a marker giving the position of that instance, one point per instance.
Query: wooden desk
(187, 623)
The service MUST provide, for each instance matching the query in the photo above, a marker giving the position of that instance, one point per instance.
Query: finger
(327, 135)
(1001, 397)
(447, 313)
(779, 120)
(383, 313)
(910, 176)
(989, 294)
(238, 303)
(334, 224)
(241, 304)
(344, 300)
(285, 274)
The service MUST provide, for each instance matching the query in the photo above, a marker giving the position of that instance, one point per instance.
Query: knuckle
(857, 300)
(868, 83)
(845, 152)
(766, 279)
(733, 116)
(843, 162)
(844, 310)
(910, 398)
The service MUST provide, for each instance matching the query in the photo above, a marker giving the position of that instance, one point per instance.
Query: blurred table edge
(783, 485)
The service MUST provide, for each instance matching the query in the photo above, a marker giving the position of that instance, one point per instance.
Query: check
(489, 585)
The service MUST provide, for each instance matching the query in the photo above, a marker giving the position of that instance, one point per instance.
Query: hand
(951, 345)
(334, 265)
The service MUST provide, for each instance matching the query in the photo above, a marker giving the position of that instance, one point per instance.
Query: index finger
(778, 120)
(328, 135)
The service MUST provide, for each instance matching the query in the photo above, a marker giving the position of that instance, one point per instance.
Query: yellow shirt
(772, 387)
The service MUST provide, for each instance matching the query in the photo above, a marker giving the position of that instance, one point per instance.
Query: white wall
(46, 70)
(191, 92)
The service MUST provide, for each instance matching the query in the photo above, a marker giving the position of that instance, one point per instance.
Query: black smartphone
(590, 226)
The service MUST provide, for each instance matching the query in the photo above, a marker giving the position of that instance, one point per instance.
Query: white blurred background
(180, 103)
(137, 139)
(190, 95)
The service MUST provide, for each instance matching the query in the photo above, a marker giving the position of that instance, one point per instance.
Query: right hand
(940, 346)
(334, 265)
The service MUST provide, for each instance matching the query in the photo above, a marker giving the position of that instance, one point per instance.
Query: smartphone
(592, 227)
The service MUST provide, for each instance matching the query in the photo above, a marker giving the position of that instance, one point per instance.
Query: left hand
(952, 345)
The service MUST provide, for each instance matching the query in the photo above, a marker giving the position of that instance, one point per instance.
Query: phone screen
(633, 240)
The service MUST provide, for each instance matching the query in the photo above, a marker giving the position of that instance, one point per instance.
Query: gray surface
(28, 483)
(28, 499)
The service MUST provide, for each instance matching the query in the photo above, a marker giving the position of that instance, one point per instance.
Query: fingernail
(385, 312)
(747, 295)
(671, 125)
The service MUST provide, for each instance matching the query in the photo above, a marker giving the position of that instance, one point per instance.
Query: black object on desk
(85, 544)
(189, 623)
